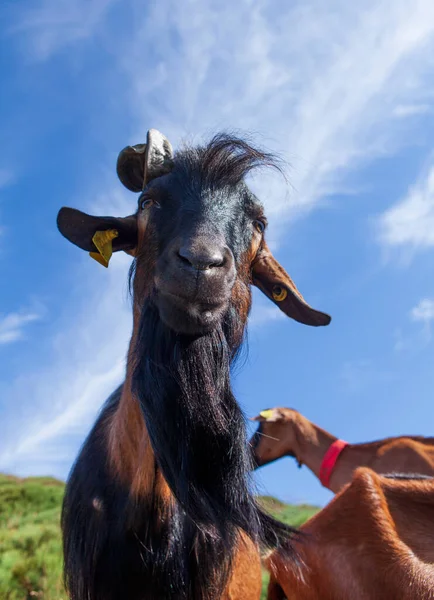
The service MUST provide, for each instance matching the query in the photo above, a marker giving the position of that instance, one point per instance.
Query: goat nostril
(184, 258)
(202, 258)
(218, 260)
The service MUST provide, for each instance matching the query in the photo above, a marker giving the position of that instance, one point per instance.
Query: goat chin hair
(197, 431)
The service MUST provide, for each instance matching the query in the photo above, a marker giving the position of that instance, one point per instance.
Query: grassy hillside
(30, 548)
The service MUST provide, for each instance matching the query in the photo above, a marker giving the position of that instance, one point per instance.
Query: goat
(373, 541)
(158, 503)
(286, 432)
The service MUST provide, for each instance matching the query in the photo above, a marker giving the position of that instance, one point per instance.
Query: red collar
(329, 461)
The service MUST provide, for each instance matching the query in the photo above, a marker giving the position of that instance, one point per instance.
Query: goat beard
(194, 422)
(197, 432)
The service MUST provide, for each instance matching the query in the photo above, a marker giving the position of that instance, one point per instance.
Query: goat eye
(145, 202)
(259, 225)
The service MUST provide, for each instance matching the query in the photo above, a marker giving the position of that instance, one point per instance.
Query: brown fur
(246, 580)
(374, 541)
(134, 463)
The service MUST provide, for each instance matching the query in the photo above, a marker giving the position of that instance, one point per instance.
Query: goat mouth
(190, 316)
(204, 303)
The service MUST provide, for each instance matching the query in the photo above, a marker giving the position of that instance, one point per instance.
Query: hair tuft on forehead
(224, 161)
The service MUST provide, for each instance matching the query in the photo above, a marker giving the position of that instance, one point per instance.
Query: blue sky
(343, 91)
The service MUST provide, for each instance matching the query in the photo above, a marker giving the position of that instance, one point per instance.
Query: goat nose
(202, 256)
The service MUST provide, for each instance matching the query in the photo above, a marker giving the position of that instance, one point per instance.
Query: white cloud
(265, 314)
(79, 395)
(411, 221)
(86, 363)
(424, 311)
(51, 25)
(321, 81)
(410, 110)
(416, 340)
(12, 326)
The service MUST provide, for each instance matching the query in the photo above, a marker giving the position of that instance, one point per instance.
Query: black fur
(206, 190)
(224, 161)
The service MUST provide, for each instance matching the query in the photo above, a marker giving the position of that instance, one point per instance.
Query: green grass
(30, 546)
(291, 514)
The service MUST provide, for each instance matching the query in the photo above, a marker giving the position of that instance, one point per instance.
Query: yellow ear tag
(103, 242)
(266, 414)
(279, 293)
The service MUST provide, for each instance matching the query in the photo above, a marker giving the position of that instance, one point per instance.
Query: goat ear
(270, 415)
(272, 279)
(137, 165)
(100, 236)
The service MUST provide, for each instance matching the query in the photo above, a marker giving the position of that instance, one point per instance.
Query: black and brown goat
(158, 504)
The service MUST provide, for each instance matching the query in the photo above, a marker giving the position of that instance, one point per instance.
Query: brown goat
(373, 541)
(285, 432)
(158, 504)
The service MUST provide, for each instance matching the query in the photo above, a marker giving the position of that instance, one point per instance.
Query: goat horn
(139, 164)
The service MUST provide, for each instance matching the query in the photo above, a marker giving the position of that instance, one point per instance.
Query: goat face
(203, 238)
(197, 234)
(275, 436)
